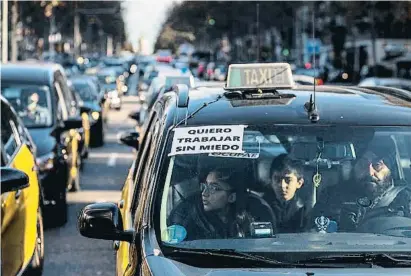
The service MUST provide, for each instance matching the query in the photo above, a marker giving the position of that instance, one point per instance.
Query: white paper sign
(208, 139)
(246, 155)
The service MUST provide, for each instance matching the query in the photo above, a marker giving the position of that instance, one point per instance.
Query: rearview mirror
(135, 116)
(103, 221)
(13, 180)
(129, 139)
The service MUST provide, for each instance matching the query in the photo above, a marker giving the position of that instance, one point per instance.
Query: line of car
(48, 126)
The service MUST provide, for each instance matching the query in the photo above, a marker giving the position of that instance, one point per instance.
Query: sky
(144, 18)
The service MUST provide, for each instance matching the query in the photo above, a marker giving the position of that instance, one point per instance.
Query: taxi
(157, 88)
(40, 95)
(22, 238)
(85, 113)
(265, 177)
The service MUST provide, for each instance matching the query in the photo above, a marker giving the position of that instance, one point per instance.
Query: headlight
(124, 88)
(133, 68)
(45, 162)
(112, 94)
(144, 86)
(95, 115)
(110, 79)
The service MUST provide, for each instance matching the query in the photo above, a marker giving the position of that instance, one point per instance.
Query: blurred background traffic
(325, 41)
(117, 57)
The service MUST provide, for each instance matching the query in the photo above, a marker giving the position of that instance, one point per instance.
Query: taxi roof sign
(259, 76)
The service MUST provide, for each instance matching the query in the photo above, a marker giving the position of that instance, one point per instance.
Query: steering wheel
(387, 225)
(264, 203)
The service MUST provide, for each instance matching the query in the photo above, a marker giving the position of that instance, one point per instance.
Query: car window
(69, 101)
(332, 171)
(146, 158)
(62, 112)
(86, 91)
(3, 160)
(31, 102)
(9, 134)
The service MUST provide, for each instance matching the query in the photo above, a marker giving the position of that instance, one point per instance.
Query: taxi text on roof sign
(259, 75)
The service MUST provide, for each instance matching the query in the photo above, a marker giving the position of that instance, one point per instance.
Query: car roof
(81, 79)
(29, 72)
(380, 81)
(335, 104)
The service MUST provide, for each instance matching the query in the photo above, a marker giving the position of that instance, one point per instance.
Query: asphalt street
(68, 253)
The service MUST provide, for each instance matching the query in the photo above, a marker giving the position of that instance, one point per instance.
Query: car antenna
(311, 106)
(189, 116)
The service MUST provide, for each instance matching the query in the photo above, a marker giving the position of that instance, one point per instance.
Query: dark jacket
(337, 202)
(290, 216)
(200, 224)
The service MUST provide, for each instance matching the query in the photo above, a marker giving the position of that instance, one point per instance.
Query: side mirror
(129, 139)
(103, 221)
(135, 116)
(73, 123)
(13, 180)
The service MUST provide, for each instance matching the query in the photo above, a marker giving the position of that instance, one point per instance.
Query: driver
(219, 212)
(370, 180)
(35, 112)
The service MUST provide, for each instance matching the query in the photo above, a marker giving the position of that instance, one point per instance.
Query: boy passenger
(291, 214)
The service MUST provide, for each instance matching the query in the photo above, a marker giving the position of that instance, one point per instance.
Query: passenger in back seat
(291, 212)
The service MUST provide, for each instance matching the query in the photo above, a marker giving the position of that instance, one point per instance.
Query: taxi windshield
(302, 186)
(31, 102)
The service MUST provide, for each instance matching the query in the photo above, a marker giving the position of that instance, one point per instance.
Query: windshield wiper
(372, 259)
(257, 260)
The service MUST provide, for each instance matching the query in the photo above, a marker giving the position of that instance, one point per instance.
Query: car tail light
(319, 82)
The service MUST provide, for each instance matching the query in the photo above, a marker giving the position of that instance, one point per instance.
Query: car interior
(335, 166)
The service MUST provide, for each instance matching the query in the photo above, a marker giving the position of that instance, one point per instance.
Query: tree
(34, 14)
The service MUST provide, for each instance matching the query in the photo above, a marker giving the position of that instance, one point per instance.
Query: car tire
(99, 140)
(61, 210)
(35, 267)
(57, 214)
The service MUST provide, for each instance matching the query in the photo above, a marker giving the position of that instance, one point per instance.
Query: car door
(19, 209)
(84, 116)
(71, 137)
(136, 188)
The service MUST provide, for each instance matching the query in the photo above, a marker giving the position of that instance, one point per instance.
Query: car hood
(45, 143)
(163, 266)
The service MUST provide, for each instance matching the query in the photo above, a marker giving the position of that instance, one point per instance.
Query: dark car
(85, 112)
(204, 195)
(41, 97)
(108, 79)
(89, 96)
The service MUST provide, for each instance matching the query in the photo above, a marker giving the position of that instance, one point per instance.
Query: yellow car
(22, 239)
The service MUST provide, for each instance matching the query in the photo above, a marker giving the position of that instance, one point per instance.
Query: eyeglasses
(212, 188)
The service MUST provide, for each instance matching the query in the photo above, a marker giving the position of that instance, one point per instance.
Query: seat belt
(390, 196)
